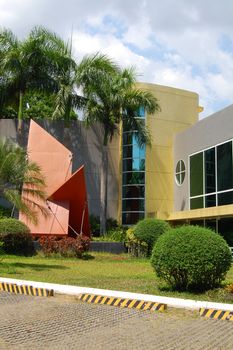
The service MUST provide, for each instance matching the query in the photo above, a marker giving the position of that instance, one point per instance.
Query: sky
(185, 44)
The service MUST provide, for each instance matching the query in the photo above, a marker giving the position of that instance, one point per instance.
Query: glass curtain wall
(133, 176)
(211, 177)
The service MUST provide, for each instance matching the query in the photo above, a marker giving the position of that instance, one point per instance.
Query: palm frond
(21, 181)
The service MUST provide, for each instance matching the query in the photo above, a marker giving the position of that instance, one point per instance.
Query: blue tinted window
(133, 179)
(139, 151)
(141, 112)
(136, 164)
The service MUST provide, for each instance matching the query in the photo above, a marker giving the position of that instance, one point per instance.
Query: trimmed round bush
(16, 237)
(10, 225)
(191, 258)
(148, 231)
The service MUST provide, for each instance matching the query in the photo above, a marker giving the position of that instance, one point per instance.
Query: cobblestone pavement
(64, 323)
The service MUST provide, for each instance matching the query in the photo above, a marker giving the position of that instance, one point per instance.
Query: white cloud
(170, 42)
(138, 34)
(108, 44)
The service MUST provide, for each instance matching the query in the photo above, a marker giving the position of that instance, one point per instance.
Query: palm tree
(19, 178)
(112, 96)
(67, 100)
(41, 62)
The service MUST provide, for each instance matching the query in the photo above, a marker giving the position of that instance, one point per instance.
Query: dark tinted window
(133, 178)
(210, 180)
(225, 198)
(210, 201)
(211, 224)
(196, 203)
(127, 151)
(225, 228)
(196, 174)
(133, 205)
(133, 192)
(224, 166)
(131, 218)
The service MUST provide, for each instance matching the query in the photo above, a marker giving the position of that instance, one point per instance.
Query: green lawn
(101, 270)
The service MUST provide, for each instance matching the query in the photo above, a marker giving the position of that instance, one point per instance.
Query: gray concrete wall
(208, 132)
(86, 146)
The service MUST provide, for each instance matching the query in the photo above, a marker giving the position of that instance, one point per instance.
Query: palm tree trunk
(103, 190)
(20, 111)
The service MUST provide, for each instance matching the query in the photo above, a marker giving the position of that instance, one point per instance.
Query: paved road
(63, 323)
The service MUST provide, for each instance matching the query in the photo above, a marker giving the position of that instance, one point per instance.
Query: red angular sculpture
(67, 198)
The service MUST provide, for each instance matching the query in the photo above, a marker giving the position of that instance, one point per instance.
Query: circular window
(180, 172)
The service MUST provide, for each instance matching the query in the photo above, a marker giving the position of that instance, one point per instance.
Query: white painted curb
(75, 291)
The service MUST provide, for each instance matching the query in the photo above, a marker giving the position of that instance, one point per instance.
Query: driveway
(63, 323)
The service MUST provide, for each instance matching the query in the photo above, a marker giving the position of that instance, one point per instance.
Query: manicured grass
(101, 270)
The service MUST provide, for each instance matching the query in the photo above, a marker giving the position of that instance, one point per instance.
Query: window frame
(180, 172)
(216, 192)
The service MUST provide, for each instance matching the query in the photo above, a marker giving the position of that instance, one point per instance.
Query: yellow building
(152, 194)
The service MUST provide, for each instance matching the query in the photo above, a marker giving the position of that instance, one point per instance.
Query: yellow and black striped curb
(122, 302)
(24, 289)
(216, 314)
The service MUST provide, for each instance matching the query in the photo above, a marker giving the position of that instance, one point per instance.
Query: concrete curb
(216, 314)
(25, 289)
(123, 302)
(77, 291)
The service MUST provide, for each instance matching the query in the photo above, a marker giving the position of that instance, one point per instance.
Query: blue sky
(186, 44)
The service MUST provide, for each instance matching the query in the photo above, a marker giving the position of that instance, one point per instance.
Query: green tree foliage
(112, 96)
(149, 230)
(191, 258)
(108, 94)
(41, 62)
(15, 170)
(38, 105)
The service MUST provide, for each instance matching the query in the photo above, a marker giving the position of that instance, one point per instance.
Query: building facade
(204, 195)
(186, 175)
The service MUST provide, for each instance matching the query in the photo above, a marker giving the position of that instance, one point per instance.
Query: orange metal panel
(74, 189)
(55, 162)
(67, 199)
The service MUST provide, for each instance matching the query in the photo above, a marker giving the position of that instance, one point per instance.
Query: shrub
(49, 245)
(135, 247)
(9, 225)
(191, 258)
(18, 243)
(115, 235)
(16, 237)
(66, 247)
(148, 231)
